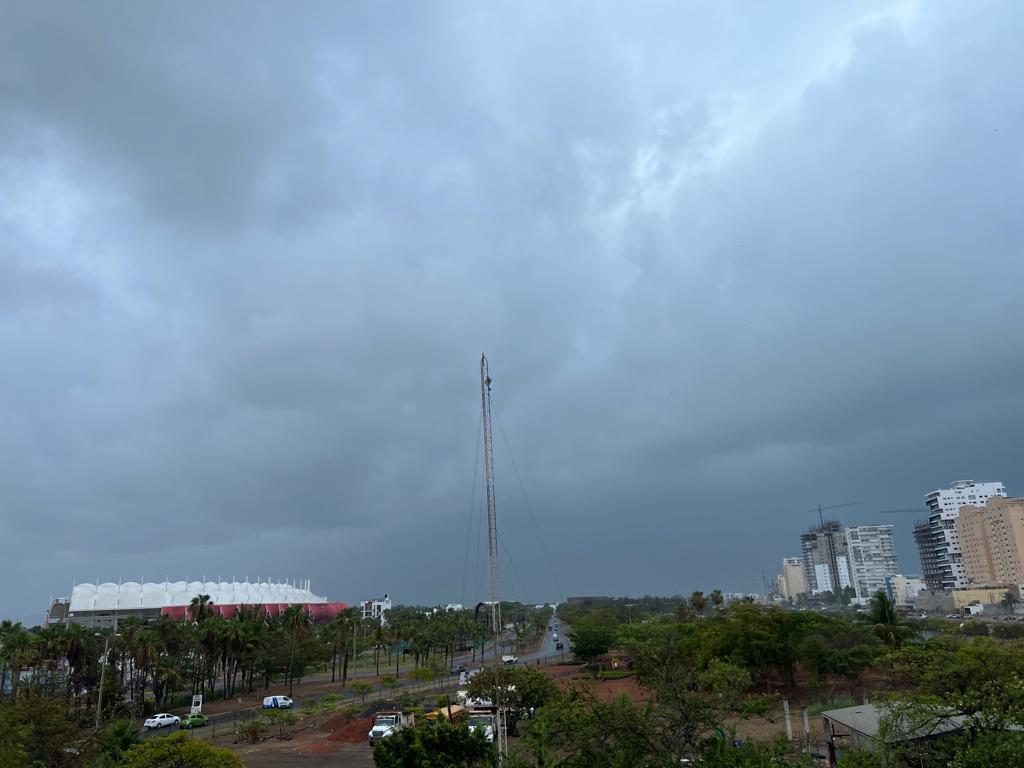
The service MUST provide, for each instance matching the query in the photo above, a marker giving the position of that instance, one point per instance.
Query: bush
(179, 750)
(975, 629)
(251, 731)
(615, 674)
(1008, 631)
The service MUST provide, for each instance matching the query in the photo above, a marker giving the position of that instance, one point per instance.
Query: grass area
(614, 674)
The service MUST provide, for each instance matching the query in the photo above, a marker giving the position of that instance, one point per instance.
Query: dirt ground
(302, 691)
(340, 741)
(758, 728)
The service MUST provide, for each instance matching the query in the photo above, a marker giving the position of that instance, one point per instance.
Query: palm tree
(7, 628)
(297, 624)
(698, 602)
(339, 631)
(201, 608)
(717, 599)
(19, 653)
(1011, 601)
(379, 644)
(887, 624)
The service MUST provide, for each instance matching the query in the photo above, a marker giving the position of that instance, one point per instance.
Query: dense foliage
(434, 744)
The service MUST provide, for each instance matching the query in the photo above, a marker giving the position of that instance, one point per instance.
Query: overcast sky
(728, 262)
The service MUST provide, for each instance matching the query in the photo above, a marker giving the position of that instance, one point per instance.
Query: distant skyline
(727, 262)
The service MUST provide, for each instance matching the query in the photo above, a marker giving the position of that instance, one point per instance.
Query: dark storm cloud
(726, 264)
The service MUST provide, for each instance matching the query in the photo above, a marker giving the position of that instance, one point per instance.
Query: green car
(194, 721)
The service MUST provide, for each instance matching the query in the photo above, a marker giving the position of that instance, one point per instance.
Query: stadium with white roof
(107, 604)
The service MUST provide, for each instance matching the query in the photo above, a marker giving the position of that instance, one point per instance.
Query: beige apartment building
(992, 541)
(791, 581)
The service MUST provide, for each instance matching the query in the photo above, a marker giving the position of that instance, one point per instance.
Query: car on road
(457, 670)
(277, 702)
(195, 720)
(162, 720)
(559, 646)
(509, 659)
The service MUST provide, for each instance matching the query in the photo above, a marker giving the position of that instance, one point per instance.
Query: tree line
(703, 666)
(151, 665)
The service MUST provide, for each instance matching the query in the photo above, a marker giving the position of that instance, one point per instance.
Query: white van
(277, 702)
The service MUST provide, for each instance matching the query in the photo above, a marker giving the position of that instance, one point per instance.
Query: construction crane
(916, 511)
(492, 551)
(821, 509)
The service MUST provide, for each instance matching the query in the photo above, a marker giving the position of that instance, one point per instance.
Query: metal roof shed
(859, 727)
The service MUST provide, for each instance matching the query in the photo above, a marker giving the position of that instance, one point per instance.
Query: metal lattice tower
(492, 550)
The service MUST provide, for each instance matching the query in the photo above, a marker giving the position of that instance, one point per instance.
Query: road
(546, 652)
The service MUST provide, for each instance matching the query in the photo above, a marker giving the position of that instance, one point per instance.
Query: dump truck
(482, 719)
(388, 722)
(453, 713)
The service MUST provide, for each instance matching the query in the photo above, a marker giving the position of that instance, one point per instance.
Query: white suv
(159, 721)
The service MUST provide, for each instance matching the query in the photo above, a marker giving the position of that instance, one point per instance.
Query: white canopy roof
(132, 594)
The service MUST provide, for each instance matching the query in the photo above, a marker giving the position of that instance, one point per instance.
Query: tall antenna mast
(492, 551)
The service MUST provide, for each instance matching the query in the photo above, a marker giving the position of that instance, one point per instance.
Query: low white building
(377, 608)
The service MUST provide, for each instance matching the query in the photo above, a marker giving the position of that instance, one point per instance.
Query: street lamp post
(103, 673)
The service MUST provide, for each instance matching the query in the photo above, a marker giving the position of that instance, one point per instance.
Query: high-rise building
(992, 541)
(931, 569)
(944, 568)
(872, 557)
(791, 580)
(825, 558)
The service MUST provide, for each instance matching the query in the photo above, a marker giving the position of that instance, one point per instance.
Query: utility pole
(492, 551)
(103, 674)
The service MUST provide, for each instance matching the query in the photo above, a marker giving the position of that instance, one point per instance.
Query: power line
(529, 507)
(472, 505)
(508, 555)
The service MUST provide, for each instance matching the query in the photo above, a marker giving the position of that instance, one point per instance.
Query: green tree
(978, 681)
(1004, 749)
(179, 751)
(14, 739)
(840, 648)
(888, 627)
(582, 731)
(434, 744)
(693, 689)
(698, 603)
(722, 753)
(280, 720)
(522, 687)
(862, 758)
(362, 689)
(115, 740)
(1011, 601)
(592, 638)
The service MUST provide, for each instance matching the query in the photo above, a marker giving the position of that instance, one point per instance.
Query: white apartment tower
(947, 568)
(872, 557)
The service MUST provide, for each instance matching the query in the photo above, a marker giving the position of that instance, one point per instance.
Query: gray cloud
(727, 264)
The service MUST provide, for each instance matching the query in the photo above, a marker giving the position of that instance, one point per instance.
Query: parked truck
(389, 722)
(482, 720)
(453, 713)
